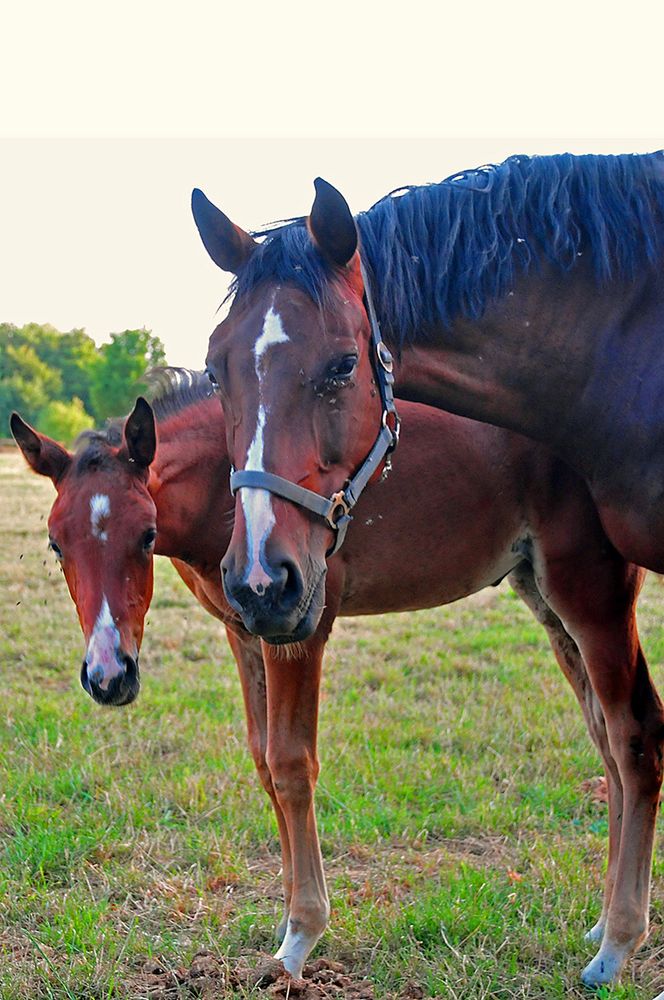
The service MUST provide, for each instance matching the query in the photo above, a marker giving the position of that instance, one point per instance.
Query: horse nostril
(96, 674)
(292, 588)
(131, 668)
(85, 681)
(280, 592)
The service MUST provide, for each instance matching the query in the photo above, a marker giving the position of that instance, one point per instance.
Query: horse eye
(210, 374)
(54, 547)
(149, 539)
(343, 369)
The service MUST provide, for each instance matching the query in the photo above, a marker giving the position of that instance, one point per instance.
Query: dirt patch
(420, 855)
(489, 851)
(210, 977)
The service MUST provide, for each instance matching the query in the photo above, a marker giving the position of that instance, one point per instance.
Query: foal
(489, 503)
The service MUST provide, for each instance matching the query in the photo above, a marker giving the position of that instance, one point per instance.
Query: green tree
(74, 355)
(117, 378)
(26, 382)
(64, 421)
(39, 366)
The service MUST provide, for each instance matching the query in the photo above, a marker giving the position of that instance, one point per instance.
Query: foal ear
(228, 245)
(42, 453)
(332, 225)
(140, 434)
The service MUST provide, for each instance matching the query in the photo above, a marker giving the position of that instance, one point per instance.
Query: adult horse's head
(102, 528)
(293, 366)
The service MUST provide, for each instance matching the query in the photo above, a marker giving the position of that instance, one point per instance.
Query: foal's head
(102, 528)
(294, 374)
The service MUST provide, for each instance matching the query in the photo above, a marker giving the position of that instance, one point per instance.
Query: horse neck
(491, 369)
(188, 483)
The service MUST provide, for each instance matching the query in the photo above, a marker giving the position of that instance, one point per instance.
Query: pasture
(464, 856)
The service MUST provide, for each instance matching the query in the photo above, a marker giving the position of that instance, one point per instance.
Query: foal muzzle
(120, 689)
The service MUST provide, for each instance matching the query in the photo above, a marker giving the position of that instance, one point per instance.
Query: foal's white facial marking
(101, 654)
(256, 503)
(100, 511)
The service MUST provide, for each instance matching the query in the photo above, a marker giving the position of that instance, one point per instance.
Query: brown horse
(292, 362)
(529, 295)
(466, 505)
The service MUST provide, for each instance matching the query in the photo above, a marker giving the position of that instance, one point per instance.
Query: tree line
(62, 383)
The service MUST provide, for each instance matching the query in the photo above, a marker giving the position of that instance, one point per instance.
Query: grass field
(464, 859)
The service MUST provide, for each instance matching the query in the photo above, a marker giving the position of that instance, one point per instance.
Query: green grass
(461, 852)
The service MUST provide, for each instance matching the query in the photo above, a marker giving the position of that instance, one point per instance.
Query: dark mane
(438, 251)
(169, 391)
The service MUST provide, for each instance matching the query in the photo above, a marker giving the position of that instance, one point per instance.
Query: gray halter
(335, 510)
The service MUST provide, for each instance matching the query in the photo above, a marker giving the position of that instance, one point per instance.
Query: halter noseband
(335, 510)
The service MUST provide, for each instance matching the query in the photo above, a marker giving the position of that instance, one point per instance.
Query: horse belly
(428, 578)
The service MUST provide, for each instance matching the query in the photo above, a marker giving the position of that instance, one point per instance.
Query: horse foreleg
(566, 651)
(292, 706)
(249, 659)
(596, 599)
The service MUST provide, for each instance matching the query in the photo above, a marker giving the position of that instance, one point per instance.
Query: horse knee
(646, 760)
(643, 751)
(648, 710)
(294, 775)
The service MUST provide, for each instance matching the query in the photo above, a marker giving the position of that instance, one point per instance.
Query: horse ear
(228, 245)
(332, 225)
(140, 434)
(42, 453)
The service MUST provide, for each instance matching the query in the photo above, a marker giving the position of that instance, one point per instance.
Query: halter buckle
(385, 357)
(340, 508)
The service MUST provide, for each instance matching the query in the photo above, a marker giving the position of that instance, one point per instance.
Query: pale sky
(95, 225)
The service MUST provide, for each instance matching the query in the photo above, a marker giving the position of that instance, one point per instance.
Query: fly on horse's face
(102, 528)
(292, 376)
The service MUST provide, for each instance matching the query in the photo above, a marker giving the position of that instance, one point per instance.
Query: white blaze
(101, 654)
(256, 503)
(100, 511)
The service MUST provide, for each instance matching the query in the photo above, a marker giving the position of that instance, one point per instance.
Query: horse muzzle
(112, 684)
(286, 610)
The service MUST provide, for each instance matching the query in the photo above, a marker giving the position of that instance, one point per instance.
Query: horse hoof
(296, 947)
(604, 968)
(293, 963)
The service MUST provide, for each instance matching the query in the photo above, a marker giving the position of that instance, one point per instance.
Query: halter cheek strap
(335, 510)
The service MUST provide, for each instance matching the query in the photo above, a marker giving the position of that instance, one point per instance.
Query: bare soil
(211, 977)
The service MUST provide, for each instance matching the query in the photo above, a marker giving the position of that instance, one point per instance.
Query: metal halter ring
(396, 429)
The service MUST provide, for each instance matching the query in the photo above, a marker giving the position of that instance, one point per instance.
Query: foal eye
(149, 539)
(54, 547)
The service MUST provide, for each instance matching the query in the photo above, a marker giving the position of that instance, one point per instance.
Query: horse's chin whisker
(288, 651)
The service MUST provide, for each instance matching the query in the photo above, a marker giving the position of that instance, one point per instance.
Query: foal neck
(188, 483)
